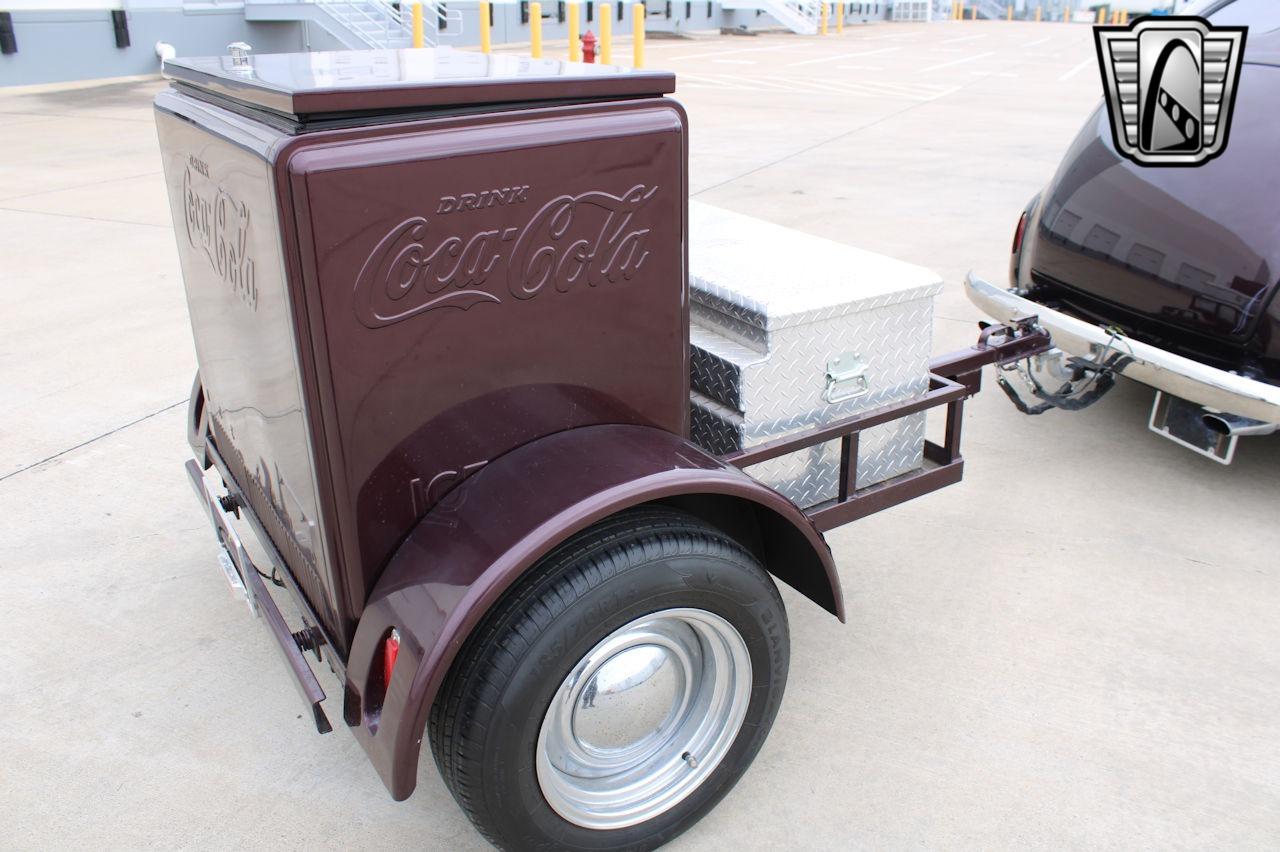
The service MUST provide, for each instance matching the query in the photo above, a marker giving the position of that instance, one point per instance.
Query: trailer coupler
(1079, 382)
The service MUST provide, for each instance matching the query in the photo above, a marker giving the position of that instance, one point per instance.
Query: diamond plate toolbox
(789, 331)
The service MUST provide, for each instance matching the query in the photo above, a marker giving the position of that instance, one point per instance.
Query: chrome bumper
(1182, 377)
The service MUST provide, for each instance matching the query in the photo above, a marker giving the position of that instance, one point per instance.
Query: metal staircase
(359, 24)
(996, 10)
(799, 16)
(373, 22)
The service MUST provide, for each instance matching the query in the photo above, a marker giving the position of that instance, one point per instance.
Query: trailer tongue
(441, 307)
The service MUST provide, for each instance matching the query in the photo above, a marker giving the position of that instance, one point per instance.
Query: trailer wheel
(612, 697)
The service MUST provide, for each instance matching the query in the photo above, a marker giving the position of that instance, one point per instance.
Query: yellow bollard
(485, 47)
(1008, 13)
(637, 35)
(1102, 16)
(1066, 15)
(535, 30)
(823, 31)
(1124, 16)
(1039, 10)
(840, 18)
(606, 34)
(975, 12)
(575, 45)
(418, 40)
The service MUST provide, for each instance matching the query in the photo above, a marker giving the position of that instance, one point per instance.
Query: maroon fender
(494, 526)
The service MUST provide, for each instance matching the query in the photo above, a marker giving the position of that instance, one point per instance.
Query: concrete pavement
(1073, 648)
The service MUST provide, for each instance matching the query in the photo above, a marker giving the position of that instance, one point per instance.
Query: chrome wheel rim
(644, 718)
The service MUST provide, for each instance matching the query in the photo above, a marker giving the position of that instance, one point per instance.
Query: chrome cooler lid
(326, 83)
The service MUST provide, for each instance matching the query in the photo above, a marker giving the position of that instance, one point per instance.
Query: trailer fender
(474, 544)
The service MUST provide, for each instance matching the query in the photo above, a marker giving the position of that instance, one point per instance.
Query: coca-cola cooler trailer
(441, 309)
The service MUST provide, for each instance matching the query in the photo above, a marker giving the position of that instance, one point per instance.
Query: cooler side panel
(228, 234)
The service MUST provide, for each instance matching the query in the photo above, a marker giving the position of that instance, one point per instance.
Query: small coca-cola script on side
(573, 240)
(218, 225)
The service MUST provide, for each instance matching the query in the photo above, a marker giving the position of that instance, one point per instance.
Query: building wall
(509, 25)
(59, 45)
(56, 45)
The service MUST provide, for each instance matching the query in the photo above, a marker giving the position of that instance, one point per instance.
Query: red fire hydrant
(589, 47)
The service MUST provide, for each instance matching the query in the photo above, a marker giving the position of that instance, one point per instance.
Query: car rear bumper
(1174, 374)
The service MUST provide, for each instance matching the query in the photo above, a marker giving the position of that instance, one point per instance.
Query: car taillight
(390, 651)
(1018, 232)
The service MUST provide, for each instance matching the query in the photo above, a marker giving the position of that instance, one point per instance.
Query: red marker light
(1018, 232)
(390, 651)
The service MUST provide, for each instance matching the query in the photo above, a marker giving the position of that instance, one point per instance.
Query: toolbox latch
(846, 378)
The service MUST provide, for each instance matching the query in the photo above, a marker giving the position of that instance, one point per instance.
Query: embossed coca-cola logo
(218, 225)
(573, 240)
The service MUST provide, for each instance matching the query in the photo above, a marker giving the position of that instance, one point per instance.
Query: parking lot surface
(1075, 647)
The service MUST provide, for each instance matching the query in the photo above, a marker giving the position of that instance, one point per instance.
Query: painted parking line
(730, 52)
(734, 83)
(916, 91)
(944, 93)
(1074, 71)
(898, 91)
(1037, 41)
(845, 88)
(962, 38)
(809, 84)
(892, 90)
(973, 58)
(780, 85)
(837, 57)
(736, 61)
(896, 87)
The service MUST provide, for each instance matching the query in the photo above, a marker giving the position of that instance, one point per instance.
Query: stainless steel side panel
(228, 232)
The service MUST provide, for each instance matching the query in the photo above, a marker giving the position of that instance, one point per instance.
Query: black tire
(485, 723)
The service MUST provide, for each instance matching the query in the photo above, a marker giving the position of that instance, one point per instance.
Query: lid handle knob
(239, 51)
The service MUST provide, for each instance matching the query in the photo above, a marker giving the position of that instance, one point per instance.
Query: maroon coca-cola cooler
(403, 264)
(440, 310)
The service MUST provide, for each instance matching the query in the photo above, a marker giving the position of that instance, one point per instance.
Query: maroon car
(1167, 276)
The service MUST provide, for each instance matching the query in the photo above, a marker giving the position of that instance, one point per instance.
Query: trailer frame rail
(953, 378)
